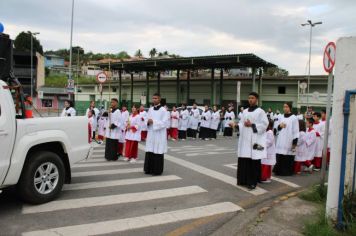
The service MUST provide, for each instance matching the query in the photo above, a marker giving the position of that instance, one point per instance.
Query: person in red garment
(174, 123)
(267, 163)
(133, 135)
(319, 128)
(143, 115)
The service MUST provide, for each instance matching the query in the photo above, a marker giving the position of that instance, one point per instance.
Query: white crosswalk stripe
(107, 172)
(112, 183)
(112, 199)
(120, 225)
(106, 163)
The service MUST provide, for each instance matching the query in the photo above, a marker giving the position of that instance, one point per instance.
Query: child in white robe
(102, 127)
(301, 148)
(133, 136)
(267, 163)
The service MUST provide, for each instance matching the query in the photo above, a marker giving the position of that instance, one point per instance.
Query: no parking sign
(329, 57)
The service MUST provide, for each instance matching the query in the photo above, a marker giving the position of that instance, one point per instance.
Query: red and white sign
(329, 57)
(101, 77)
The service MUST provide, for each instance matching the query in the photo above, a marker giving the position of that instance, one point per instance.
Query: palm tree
(165, 53)
(153, 52)
(138, 53)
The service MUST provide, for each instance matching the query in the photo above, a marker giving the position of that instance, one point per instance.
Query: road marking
(106, 163)
(205, 150)
(112, 183)
(106, 172)
(112, 199)
(119, 225)
(211, 173)
(207, 153)
(286, 182)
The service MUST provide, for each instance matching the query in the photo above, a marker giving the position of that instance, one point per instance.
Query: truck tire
(42, 178)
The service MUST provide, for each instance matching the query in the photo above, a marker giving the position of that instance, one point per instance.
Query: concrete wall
(345, 71)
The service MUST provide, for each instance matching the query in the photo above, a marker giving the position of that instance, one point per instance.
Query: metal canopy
(185, 63)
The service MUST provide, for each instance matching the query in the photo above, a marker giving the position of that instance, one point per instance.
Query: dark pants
(182, 134)
(192, 133)
(248, 171)
(111, 148)
(284, 165)
(154, 163)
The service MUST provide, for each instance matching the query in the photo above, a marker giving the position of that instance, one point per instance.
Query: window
(281, 90)
(46, 102)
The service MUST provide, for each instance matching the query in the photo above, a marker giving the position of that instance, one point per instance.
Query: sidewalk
(284, 216)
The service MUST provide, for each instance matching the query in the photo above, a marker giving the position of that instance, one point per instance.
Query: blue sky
(270, 29)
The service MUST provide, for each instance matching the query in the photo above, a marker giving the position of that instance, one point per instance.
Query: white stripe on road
(293, 185)
(211, 173)
(106, 172)
(205, 150)
(106, 163)
(112, 199)
(208, 153)
(103, 184)
(119, 225)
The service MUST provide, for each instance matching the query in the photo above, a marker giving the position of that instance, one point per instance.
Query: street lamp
(71, 39)
(32, 34)
(311, 24)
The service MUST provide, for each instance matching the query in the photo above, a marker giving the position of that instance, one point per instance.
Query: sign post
(328, 62)
(101, 78)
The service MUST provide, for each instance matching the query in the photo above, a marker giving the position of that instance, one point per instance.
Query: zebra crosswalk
(166, 189)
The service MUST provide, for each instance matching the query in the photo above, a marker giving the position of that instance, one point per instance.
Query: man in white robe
(68, 109)
(252, 143)
(205, 120)
(183, 123)
(156, 142)
(193, 122)
(113, 131)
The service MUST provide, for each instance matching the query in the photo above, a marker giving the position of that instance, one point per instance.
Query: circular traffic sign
(329, 57)
(101, 77)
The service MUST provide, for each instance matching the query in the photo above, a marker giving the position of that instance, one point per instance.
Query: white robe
(301, 150)
(134, 122)
(116, 119)
(310, 142)
(215, 120)
(125, 117)
(169, 120)
(174, 119)
(319, 128)
(205, 119)
(102, 125)
(183, 120)
(287, 135)
(230, 118)
(95, 119)
(194, 118)
(68, 112)
(156, 141)
(248, 138)
(143, 116)
(271, 149)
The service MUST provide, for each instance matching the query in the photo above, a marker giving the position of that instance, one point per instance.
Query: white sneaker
(310, 168)
(266, 181)
(126, 159)
(133, 160)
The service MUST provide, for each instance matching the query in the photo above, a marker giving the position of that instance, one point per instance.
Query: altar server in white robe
(174, 123)
(267, 163)
(287, 140)
(215, 120)
(205, 121)
(251, 144)
(125, 117)
(319, 127)
(156, 143)
(193, 122)
(169, 120)
(68, 109)
(229, 122)
(133, 135)
(113, 131)
(143, 115)
(183, 123)
(95, 111)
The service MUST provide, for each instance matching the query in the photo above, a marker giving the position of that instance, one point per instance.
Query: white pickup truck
(36, 154)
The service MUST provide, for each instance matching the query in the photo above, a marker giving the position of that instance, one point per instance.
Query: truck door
(7, 129)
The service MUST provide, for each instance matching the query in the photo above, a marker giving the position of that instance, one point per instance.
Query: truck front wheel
(42, 178)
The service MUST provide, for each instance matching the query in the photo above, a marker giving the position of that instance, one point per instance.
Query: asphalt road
(196, 194)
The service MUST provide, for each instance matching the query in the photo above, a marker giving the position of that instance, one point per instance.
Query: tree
(122, 55)
(153, 52)
(23, 42)
(165, 53)
(138, 53)
(160, 54)
(276, 71)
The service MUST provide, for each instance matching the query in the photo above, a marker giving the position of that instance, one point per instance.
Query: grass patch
(60, 80)
(316, 194)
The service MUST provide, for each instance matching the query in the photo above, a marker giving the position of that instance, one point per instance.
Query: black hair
(323, 110)
(70, 102)
(311, 120)
(318, 114)
(105, 114)
(156, 95)
(302, 125)
(254, 94)
(115, 99)
(289, 104)
(270, 125)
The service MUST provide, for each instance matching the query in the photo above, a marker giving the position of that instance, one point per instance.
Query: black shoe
(251, 187)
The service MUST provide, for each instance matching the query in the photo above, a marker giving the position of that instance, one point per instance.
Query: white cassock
(311, 142)
(69, 111)
(174, 119)
(95, 115)
(183, 120)
(143, 116)
(239, 116)
(270, 115)
(271, 149)
(157, 132)
(134, 122)
(301, 150)
(287, 135)
(276, 119)
(116, 119)
(125, 118)
(320, 129)
(249, 137)
(205, 119)
(169, 120)
(102, 125)
(230, 118)
(215, 120)
(194, 118)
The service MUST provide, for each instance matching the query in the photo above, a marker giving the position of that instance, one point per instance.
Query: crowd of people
(285, 144)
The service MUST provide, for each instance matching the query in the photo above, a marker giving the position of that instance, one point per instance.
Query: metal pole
(159, 82)
(120, 85)
(147, 89)
(188, 86)
(31, 65)
(253, 79)
(212, 100)
(71, 39)
(310, 41)
(326, 133)
(178, 88)
(132, 84)
(221, 86)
